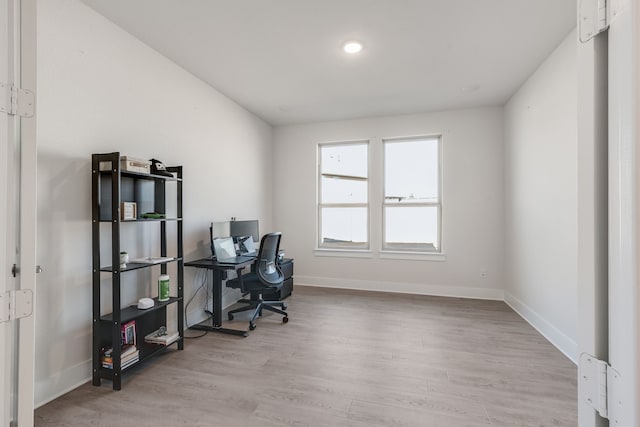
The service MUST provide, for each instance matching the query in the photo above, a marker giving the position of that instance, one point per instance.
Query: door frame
(28, 214)
(7, 329)
(593, 255)
(18, 215)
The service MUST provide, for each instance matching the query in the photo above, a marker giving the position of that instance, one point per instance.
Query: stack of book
(130, 355)
(162, 337)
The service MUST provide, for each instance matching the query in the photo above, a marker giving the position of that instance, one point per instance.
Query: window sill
(343, 253)
(365, 253)
(414, 256)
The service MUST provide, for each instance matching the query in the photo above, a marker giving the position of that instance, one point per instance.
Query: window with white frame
(412, 207)
(343, 195)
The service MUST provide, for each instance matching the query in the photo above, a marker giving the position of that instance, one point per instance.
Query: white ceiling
(282, 59)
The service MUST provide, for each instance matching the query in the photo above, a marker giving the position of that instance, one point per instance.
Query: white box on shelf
(129, 164)
(128, 211)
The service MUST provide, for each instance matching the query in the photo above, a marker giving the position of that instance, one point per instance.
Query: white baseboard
(402, 287)
(556, 337)
(62, 382)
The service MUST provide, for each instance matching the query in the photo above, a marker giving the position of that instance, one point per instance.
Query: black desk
(219, 271)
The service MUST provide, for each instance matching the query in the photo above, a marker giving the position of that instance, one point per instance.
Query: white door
(624, 210)
(592, 206)
(17, 214)
(609, 87)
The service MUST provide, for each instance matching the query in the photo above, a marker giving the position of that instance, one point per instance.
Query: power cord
(209, 296)
(186, 308)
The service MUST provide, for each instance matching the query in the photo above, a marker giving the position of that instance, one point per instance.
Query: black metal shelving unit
(110, 186)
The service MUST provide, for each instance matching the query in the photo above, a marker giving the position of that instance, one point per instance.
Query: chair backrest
(267, 266)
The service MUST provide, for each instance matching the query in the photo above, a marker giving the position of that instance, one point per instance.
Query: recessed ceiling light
(352, 47)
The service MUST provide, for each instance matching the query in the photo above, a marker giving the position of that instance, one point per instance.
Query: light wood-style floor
(346, 358)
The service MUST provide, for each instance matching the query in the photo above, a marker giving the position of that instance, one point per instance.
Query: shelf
(151, 193)
(122, 221)
(108, 373)
(141, 175)
(133, 312)
(136, 266)
(158, 349)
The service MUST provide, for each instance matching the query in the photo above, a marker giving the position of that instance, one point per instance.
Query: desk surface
(213, 264)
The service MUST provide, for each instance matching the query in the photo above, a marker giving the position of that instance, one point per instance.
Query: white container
(124, 259)
(163, 287)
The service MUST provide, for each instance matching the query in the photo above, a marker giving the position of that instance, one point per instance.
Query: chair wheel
(285, 319)
(284, 306)
(252, 326)
(230, 316)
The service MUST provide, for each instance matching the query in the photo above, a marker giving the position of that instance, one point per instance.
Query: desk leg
(217, 299)
(216, 319)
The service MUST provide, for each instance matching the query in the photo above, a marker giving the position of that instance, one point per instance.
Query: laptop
(246, 246)
(225, 252)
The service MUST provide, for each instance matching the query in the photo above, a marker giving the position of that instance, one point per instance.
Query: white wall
(541, 198)
(472, 204)
(102, 90)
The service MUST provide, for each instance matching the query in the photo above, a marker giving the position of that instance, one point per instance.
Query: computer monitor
(245, 228)
(217, 230)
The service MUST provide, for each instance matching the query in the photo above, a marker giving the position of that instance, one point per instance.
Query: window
(412, 206)
(343, 196)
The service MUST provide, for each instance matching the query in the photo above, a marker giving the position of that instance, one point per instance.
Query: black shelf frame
(143, 220)
(143, 175)
(107, 328)
(132, 312)
(137, 266)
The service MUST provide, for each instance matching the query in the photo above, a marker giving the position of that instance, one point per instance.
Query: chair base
(257, 304)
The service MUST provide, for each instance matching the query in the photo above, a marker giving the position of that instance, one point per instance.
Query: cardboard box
(129, 164)
(135, 165)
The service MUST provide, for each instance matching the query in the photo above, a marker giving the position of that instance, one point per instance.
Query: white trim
(413, 256)
(402, 288)
(556, 337)
(28, 214)
(592, 336)
(62, 382)
(7, 248)
(343, 253)
(364, 253)
(624, 208)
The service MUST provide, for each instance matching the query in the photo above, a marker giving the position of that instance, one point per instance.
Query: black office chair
(266, 278)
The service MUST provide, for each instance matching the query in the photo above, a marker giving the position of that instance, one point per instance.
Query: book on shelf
(129, 355)
(153, 259)
(162, 337)
(129, 333)
(123, 365)
(125, 351)
(123, 359)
